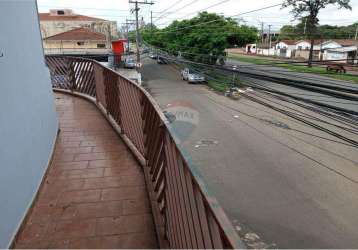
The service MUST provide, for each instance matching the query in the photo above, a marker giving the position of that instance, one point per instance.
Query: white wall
(327, 45)
(282, 45)
(335, 55)
(304, 45)
(28, 123)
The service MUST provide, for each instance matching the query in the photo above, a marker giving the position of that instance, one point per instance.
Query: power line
(216, 20)
(183, 7)
(165, 10)
(211, 6)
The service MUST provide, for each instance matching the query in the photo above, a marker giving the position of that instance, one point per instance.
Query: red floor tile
(94, 195)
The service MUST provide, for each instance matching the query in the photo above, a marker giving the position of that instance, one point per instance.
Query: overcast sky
(119, 10)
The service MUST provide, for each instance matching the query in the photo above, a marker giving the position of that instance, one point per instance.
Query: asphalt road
(292, 189)
(305, 77)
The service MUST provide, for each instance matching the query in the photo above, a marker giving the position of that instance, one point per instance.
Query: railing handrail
(218, 211)
(228, 231)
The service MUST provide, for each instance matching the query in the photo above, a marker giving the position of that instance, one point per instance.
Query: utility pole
(109, 36)
(304, 29)
(151, 21)
(262, 33)
(127, 24)
(136, 9)
(269, 36)
(356, 33)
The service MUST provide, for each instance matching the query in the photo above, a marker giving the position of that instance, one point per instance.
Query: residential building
(61, 20)
(286, 44)
(332, 49)
(251, 48)
(76, 41)
(285, 48)
(303, 45)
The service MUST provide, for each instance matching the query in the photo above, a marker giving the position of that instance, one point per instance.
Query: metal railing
(185, 213)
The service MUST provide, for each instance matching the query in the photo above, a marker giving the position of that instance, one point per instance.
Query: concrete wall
(28, 123)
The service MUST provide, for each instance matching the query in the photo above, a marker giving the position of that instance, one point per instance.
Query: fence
(185, 213)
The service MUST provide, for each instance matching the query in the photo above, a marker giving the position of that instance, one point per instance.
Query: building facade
(62, 20)
(79, 40)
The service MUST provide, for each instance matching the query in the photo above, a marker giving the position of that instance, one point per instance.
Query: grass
(218, 86)
(220, 82)
(296, 68)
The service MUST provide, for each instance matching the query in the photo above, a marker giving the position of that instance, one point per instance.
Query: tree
(296, 32)
(311, 9)
(203, 38)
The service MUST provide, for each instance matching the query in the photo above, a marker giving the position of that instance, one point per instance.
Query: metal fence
(185, 213)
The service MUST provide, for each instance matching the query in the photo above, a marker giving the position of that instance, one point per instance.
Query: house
(302, 49)
(338, 49)
(61, 20)
(303, 45)
(344, 54)
(79, 40)
(333, 49)
(286, 44)
(251, 48)
(285, 48)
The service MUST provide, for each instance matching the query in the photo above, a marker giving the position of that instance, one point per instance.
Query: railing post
(72, 75)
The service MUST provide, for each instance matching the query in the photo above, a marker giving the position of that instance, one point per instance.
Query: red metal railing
(185, 213)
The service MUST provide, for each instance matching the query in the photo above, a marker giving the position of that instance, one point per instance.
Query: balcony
(94, 193)
(117, 178)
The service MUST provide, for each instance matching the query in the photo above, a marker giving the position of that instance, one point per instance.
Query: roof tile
(78, 34)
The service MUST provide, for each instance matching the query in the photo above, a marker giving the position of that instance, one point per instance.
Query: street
(268, 70)
(291, 184)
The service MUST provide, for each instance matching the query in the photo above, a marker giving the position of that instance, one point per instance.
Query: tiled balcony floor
(94, 195)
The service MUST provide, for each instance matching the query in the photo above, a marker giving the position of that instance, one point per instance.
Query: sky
(119, 10)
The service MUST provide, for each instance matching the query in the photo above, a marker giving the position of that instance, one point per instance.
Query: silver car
(191, 77)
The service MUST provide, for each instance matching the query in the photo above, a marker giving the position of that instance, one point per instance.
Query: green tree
(311, 9)
(203, 38)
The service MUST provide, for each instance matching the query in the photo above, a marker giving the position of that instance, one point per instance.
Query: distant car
(129, 63)
(153, 56)
(161, 60)
(191, 77)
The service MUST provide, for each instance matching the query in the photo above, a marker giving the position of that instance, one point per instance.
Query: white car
(191, 77)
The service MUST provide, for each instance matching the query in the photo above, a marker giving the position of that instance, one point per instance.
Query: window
(101, 45)
(299, 47)
(60, 12)
(80, 43)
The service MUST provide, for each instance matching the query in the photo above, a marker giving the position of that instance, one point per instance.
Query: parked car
(129, 63)
(161, 60)
(191, 76)
(153, 56)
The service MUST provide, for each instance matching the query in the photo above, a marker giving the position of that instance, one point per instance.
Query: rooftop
(66, 15)
(78, 34)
